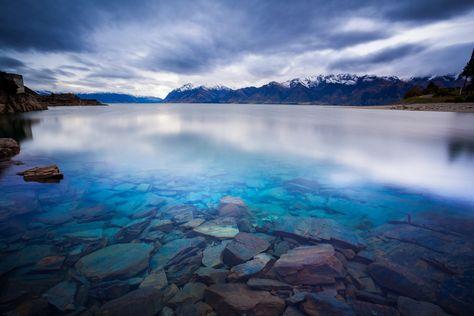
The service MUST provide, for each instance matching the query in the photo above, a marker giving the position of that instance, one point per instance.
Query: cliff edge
(15, 97)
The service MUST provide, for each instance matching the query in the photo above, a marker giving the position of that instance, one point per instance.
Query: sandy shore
(436, 107)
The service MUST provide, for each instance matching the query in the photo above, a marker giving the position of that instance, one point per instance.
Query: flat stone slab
(319, 230)
(243, 248)
(62, 296)
(219, 228)
(156, 279)
(250, 268)
(146, 301)
(212, 255)
(48, 174)
(238, 299)
(173, 249)
(311, 265)
(115, 261)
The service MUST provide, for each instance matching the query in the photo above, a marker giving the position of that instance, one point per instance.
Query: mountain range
(109, 97)
(339, 89)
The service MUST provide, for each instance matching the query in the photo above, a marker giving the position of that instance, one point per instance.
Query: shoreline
(433, 107)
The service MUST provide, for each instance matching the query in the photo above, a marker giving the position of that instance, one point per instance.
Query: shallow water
(362, 168)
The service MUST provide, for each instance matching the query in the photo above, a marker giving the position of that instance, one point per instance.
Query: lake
(400, 183)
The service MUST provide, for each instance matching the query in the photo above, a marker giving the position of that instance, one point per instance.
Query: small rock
(326, 304)
(411, 307)
(244, 247)
(267, 284)
(174, 248)
(190, 293)
(211, 276)
(311, 265)
(292, 311)
(164, 225)
(109, 290)
(62, 296)
(212, 255)
(234, 299)
(219, 228)
(167, 311)
(370, 309)
(146, 301)
(247, 269)
(48, 174)
(50, 263)
(156, 279)
(181, 213)
(193, 223)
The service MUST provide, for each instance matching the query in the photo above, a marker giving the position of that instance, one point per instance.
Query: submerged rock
(250, 268)
(212, 255)
(220, 228)
(62, 296)
(50, 263)
(181, 213)
(399, 279)
(318, 230)
(324, 303)
(411, 307)
(156, 279)
(48, 174)
(238, 299)
(109, 290)
(174, 248)
(267, 284)
(116, 261)
(244, 247)
(311, 265)
(146, 301)
(8, 148)
(210, 275)
(190, 293)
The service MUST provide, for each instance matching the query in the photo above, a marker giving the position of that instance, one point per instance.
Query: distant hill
(119, 98)
(340, 89)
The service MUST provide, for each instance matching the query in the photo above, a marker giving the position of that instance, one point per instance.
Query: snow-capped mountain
(321, 89)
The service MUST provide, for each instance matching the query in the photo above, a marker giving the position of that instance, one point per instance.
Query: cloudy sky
(150, 47)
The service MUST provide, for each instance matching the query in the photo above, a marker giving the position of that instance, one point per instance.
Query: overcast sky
(151, 47)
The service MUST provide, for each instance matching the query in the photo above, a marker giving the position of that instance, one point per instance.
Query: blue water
(360, 167)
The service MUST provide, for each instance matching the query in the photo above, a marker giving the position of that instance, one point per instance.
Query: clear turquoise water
(360, 167)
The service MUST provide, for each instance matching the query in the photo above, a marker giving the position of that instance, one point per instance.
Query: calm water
(362, 168)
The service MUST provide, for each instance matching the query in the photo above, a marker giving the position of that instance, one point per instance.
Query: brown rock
(259, 263)
(370, 309)
(411, 307)
(234, 299)
(8, 148)
(243, 248)
(311, 265)
(50, 263)
(322, 303)
(42, 174)
(143, 301)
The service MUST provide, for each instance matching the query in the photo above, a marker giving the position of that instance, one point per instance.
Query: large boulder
(317, 230)
(243, 248)
(115, 261)
(8, 148)
(234, 299)
(311, 265)
(146, 301)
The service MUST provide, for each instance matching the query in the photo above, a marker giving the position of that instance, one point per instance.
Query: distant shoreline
(434, 107)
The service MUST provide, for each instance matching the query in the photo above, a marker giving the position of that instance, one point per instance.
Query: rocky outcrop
(8, 148)
(15, 97)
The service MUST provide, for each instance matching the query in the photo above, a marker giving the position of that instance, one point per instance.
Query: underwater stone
(109, 290)
(116, 261)
(311, 265)
(399, 279)
(26, 256)
(193, 223)
(146, 301)
(212, 255)
(243, 248)
(250, 268)
(317, 229)
(232, 299)
(219, 228)
(164, 225)
(62, 296)
(50, 263)
(181, 213)
(365, 308)
(324, 303)
(411, 307)
(156, 279)
(191, 293)
(174, 248)
(267, 284)
(210, 275)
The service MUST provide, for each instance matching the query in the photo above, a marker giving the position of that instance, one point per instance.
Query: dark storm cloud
(384, 56)
(8, 63)
(194, 37)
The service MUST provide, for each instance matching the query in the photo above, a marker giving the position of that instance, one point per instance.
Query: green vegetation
(435, 94)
